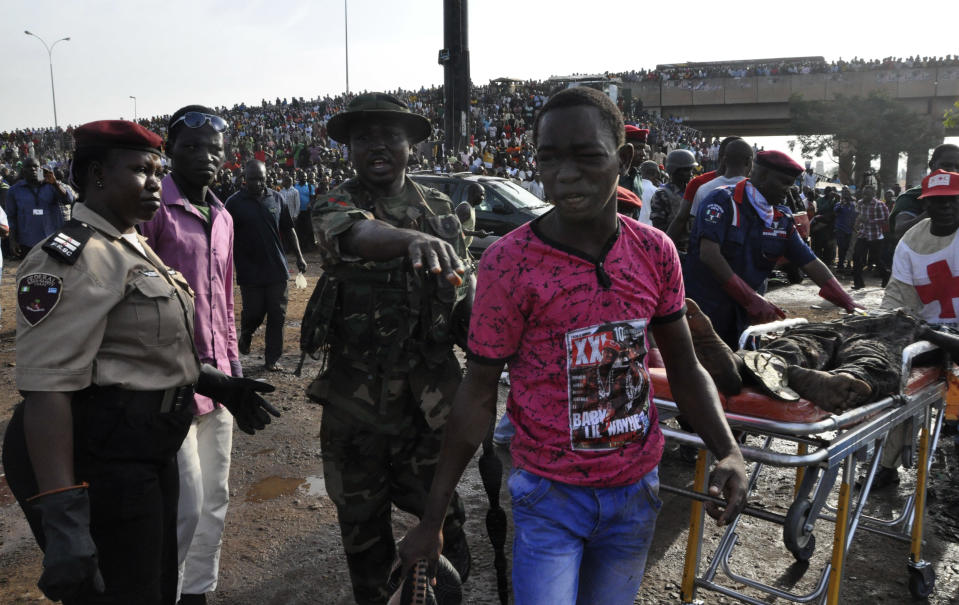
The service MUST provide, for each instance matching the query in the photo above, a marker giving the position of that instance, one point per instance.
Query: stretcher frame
(824, 448)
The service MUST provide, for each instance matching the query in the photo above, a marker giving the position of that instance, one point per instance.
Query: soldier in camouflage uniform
(397, 279)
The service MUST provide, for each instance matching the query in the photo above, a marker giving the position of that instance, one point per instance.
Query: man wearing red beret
(738, 236)
(632, 179)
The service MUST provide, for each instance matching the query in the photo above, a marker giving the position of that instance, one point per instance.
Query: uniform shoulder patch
(714, 213)
(66, 244)
(37, 295)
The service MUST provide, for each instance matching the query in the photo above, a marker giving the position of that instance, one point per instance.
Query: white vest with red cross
(930, 264)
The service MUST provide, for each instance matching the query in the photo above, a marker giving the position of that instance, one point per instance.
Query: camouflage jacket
(389, 319)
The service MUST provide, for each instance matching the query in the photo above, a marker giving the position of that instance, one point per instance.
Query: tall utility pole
(346, 43)
(134, 107)
(455, 59)
(50, 58)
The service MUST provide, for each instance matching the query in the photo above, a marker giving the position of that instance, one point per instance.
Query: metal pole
(134, 107)
(346, 44)
(53, 89)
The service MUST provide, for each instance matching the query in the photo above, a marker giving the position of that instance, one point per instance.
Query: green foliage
(869, 126)
(951, 118)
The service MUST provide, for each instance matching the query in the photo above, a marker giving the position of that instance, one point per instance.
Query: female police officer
(106, 363)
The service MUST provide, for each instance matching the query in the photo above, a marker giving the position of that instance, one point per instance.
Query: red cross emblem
(943, 287)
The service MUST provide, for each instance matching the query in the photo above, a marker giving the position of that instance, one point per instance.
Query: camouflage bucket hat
(378, 105)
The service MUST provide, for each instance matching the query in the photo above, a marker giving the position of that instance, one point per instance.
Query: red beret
(117, 134)
(625, 196)
(780, 162)
(636, 134)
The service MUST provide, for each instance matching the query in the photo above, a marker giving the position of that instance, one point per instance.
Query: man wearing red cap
(924, 279)
(738, 236)
(632, 180)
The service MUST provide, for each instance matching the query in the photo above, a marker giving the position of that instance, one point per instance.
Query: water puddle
(272, 488)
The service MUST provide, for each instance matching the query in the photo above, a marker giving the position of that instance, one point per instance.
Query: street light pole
(134, 107)
(346, 44)
(53, 90)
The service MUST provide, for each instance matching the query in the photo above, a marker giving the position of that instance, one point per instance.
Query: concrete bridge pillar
(888, 168)
(917, 164)
(846, 155)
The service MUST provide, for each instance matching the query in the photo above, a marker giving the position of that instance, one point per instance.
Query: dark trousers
(842, 241)
(371, 466)
(127, 453)
(824, 246)
(304, 231)
(264, 301)
(869, 348)
(367, 472)
(865, 251)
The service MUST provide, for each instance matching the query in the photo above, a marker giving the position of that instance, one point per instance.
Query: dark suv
(506, 206)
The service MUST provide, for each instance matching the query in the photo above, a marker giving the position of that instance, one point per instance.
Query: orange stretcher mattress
(750, 402)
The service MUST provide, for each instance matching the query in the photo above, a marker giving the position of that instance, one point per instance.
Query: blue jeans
(580, 545)
(504, 431)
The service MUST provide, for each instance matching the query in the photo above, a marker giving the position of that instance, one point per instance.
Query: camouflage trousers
(366, 472)
(869, 348)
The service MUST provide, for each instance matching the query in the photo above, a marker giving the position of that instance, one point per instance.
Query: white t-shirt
(134, 239)
(537, 189)
(5, 223)
(706, 189)
(648, 190)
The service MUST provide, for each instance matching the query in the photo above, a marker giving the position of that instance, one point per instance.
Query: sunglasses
(195, 119)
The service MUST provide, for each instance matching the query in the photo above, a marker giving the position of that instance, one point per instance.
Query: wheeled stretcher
(826, 446)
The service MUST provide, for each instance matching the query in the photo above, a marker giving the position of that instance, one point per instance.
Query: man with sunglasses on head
(193, 233)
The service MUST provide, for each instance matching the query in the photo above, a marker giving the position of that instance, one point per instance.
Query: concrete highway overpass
(759, 105)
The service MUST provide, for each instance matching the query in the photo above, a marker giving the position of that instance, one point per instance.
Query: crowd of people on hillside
(290, 136)
(804, 65)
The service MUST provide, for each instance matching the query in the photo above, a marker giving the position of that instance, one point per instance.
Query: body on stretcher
(826, 446)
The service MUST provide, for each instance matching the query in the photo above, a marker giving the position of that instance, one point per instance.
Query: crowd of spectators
(290, 136)
(799, 65)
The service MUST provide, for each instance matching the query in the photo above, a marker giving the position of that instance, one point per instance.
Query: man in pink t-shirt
(569, 301)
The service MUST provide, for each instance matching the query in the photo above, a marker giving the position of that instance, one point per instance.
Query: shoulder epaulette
(66, 244)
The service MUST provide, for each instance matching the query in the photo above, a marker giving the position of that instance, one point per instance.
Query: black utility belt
(174, 399)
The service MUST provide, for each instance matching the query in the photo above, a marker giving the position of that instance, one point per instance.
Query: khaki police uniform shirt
(117, 317)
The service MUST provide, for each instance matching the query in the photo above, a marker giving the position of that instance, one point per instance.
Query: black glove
(240, 396)
(70, 557)
(301, 265)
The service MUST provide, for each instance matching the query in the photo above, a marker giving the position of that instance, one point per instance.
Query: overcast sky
(215, 52)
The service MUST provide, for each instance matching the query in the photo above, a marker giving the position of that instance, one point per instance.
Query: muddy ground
(282, 543)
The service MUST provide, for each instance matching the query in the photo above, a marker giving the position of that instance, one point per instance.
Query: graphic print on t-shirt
(608, 385)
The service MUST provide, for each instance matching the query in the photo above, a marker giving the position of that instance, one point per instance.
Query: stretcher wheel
(922, 580)
(800, 543)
